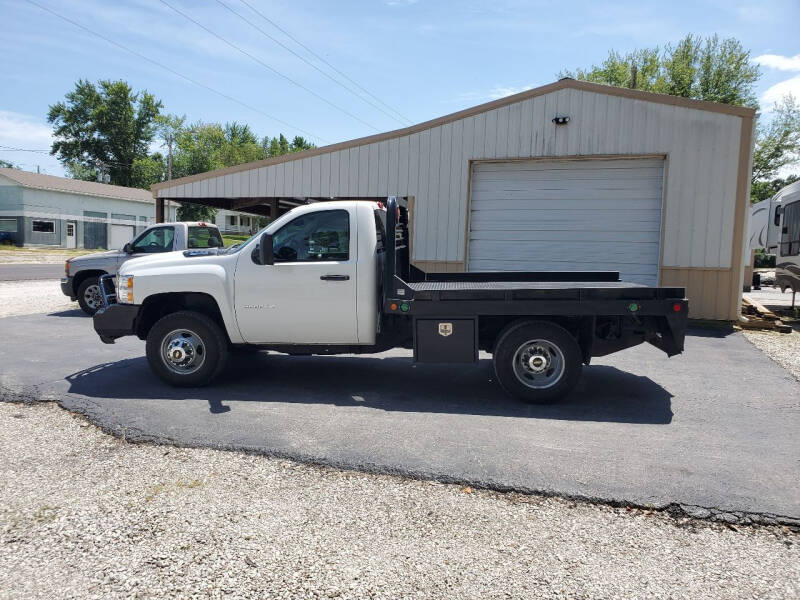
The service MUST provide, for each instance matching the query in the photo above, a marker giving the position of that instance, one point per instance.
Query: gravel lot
(783, 348)
(31, 297)
(86, 515)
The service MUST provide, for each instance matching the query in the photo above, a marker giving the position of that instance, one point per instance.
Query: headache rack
(108, 290)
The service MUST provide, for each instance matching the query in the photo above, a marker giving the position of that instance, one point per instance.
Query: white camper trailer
(785, 240)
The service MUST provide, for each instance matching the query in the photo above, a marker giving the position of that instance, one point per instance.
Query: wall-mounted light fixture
(561, 120)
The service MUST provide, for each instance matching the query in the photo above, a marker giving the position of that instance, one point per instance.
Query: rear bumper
(116, 321)
(68, 288)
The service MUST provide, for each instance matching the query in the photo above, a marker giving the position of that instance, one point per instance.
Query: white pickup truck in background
(81, 274)
(334, 277)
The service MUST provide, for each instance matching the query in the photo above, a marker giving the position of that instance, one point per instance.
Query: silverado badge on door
(445, 329)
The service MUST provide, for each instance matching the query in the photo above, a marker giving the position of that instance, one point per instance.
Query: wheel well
(82, 276)
(490, 328)
(160, 305)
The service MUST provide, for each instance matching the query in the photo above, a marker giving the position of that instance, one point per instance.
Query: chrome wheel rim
(182, 351)
(92, 297)
(539, 364)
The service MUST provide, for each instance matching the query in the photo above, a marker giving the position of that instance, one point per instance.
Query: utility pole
(170, 139)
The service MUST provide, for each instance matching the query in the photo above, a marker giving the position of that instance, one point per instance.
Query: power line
(24, 149)
(174, 72)
(266, 66)
(308, 62)
(318, 57)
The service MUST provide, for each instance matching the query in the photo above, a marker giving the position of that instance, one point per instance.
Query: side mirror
(777, 215)
(128, 248)
(266, 250)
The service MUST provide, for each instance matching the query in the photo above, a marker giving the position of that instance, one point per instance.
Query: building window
(8, 225)
(232, 220)
(44, 226)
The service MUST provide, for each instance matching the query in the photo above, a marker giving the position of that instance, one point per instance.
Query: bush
(764, 260)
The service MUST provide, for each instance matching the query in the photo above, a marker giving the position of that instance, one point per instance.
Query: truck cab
(335, 277)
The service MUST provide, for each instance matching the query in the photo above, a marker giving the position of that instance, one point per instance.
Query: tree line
(107, 131)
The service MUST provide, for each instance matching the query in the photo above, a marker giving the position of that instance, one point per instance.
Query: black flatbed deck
(509, 291)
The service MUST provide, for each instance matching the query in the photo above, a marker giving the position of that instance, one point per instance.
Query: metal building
(571, 175)
(44, 210)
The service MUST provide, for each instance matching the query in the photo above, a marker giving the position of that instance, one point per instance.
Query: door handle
(335, 277)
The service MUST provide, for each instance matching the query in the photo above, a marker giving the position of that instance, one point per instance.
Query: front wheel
(89, 296)
(537, 361)
(186, 349)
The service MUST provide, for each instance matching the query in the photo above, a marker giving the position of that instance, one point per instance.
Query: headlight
(125, 289)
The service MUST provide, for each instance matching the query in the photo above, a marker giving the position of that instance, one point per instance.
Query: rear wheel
(89, 297)
(186, 349)
(537, 361)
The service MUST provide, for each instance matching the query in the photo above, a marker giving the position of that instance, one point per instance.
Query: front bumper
(68, 288)
(115, 321)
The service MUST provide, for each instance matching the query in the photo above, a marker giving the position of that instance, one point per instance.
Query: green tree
(202, 147)
(107, 125)
(4, 164)
(777, 147)
(148, 170)
(701, 68)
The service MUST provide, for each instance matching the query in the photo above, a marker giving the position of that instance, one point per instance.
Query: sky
(417, 59)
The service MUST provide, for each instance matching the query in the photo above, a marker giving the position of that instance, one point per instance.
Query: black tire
(554, 361)
(197, 336)
(89, 297)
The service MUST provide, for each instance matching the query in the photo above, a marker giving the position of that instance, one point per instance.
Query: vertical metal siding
(700, 182)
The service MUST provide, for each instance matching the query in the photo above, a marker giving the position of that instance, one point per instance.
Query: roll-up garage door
(571, 215)
(121, 235)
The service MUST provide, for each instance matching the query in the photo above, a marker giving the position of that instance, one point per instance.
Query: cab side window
(159, 239)
(315, 237)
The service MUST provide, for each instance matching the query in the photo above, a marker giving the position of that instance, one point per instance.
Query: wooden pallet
(757, 316)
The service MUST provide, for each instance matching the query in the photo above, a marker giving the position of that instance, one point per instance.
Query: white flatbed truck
(335, 278)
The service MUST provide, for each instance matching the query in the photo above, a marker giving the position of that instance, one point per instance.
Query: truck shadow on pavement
(604, 394)
(72, 312)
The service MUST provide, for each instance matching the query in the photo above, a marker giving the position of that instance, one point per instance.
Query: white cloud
(24, 131)
(781, 63)
(776, 92)
(501, 91)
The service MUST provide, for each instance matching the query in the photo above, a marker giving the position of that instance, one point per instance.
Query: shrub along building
(568, 176)
(44, 210)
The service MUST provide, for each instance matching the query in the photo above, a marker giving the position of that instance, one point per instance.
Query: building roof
(39, 181)
(566, 83)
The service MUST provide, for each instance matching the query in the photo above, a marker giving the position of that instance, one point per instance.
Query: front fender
(210, 279)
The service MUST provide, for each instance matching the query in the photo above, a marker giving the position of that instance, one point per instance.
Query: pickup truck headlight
(125, 289)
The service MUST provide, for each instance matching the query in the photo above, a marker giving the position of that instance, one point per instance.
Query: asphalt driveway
(716, 427)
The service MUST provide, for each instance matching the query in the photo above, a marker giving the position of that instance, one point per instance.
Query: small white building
(232, 222)
(568, 176)
(44, 210)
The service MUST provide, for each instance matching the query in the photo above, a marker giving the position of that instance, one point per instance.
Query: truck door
(309, 295)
